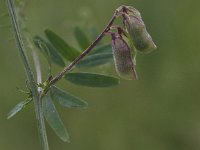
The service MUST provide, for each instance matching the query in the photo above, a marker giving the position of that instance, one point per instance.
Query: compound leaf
(61, 46)
(92, 80)
(48, 50)
(66, 99)
(53, 118)
(95, 60)
(102, 49)
(18, 108)
(81, 38)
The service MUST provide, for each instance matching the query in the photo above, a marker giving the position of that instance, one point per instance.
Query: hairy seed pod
(123, 58)
(137, 31)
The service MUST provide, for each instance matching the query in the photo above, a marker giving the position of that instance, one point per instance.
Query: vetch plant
(126, 39)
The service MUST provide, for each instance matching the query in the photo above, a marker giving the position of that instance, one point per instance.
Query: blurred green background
(160, 111)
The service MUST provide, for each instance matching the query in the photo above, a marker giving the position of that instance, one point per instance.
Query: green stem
(29, 74)
(41, 122)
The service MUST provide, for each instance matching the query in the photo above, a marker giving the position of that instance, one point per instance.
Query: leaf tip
(9, 116)
(66, 139)
(85, 105)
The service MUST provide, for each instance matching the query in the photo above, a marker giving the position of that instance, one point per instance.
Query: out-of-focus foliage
(160, 111)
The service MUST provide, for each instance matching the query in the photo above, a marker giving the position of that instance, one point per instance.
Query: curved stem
(85, 52)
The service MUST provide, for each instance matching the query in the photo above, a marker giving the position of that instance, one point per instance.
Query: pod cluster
(126, 43)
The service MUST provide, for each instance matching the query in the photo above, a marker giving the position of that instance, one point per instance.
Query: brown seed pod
(123, 58)
(137, 30)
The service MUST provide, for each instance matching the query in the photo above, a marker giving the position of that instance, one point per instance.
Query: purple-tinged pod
(123, 58)
(137, 31)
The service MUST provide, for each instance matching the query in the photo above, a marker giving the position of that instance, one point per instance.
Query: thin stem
(20, 43)
(37, 69)
(29, 74)
(41, 117)
(85, 52)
